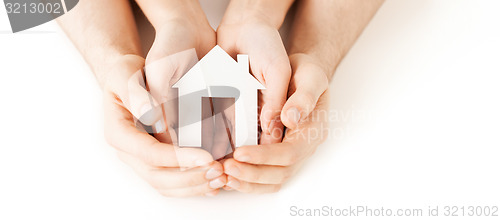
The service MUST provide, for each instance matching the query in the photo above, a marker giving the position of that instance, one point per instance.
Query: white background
(420, 94)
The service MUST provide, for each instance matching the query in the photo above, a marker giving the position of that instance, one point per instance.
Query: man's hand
(322, 34)
(309, 82)
(264, 168)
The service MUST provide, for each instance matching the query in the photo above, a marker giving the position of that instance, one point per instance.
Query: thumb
(308, 83)
(130, 85)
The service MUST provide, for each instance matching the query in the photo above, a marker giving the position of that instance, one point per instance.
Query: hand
(269, 63)
(178, 45)
(264, 168)
(309, 82)
(173, 171)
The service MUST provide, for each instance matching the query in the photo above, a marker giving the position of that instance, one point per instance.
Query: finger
(312, 130)
(212, 193)
(257, 173)
(122, 134)
(167, 178)
(280, 154)
(246, 187)
(206, 189)
(270, 64)
(275, 136)
(165, 134)
(277, 77)
(222, 136)
(162, 71)
(308, 83)
(131, 89)
(170, 111)
(298, 143)
(221, 139)
(207, 125)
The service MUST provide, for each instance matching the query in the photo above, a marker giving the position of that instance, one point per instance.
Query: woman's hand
(173, 171)
(269, 63)
(181, 39)
(178, 45)
(264, 168)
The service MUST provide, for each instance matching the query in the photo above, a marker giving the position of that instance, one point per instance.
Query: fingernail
(215, 184)
(276, 129)
(293, 115)
(233, 171)
(213, 173)
(265, 127)
(274, 124)
(160, 127)
(211, 194)
(145, 109)
(243, 158)
(148, 116)
(234, 184)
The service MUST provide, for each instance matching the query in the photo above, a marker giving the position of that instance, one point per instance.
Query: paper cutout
(213, 75)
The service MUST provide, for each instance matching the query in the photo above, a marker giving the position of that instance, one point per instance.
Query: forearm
(159, 12)
(103, 31)
(272, 12)
(326, 29)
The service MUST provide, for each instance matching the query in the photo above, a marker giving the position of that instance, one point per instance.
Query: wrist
(325, 66)
(191, 24)
(323, 52)
(271, 13)
(161, 12)
(110, 69)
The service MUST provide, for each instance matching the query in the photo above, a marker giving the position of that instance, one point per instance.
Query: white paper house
(215, 71)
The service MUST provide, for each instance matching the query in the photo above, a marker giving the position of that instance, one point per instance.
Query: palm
(269, 63)
(176, 49)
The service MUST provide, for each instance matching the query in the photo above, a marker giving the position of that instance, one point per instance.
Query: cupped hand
(308, 83)
(269, 63)
(264, 168)
(173, 171)
(178, 46)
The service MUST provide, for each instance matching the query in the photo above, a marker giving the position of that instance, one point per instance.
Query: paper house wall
(212, 75)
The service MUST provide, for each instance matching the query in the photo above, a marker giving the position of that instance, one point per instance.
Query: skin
(296, 81)
(251, 27)
(315, 50)
(115, 58)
